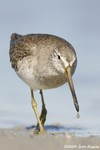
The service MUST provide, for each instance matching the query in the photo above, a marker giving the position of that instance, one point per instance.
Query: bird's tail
(14, 37)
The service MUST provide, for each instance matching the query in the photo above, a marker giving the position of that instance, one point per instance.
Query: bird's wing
(20, 47)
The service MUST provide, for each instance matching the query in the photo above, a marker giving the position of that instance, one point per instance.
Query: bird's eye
(59, 57)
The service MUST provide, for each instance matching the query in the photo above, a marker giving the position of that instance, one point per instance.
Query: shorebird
(43, 62)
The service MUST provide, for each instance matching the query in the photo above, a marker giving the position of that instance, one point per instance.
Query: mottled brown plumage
(23, 46)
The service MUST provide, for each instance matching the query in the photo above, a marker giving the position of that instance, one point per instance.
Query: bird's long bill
(70, 82)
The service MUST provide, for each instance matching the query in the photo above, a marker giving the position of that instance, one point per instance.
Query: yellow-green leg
(34, 106)
(43, 112)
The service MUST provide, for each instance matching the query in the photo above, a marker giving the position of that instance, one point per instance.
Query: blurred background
(79, 23)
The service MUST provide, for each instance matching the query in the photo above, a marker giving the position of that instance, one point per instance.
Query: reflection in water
(78, 131)
(56, 128)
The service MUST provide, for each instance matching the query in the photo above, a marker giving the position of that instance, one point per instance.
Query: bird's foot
(37, 131)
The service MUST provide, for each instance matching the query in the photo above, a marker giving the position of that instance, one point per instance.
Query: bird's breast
(39, 78)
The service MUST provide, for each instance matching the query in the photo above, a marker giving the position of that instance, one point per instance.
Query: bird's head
(65, 61)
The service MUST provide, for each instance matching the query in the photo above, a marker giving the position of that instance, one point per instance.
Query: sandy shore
(22, 139)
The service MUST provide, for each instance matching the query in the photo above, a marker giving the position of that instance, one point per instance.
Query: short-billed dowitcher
(43, 61)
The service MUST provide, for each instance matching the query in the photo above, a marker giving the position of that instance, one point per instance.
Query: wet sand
(20, 138)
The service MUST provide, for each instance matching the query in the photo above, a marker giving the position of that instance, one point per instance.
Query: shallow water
(77, 131)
